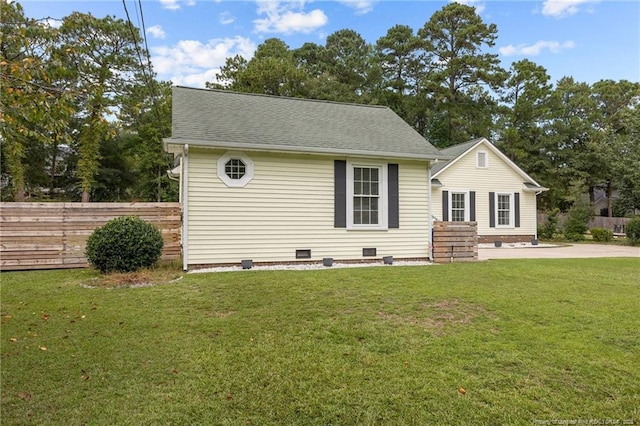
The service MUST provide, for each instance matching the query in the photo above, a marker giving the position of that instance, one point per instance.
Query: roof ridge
(466, 145)
(263, 95)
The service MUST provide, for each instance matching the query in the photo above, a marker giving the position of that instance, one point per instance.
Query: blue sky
(189, 40)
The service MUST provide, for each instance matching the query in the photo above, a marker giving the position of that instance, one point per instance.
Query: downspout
(184, 194)
(535, 232)
(180, 181)
(429, 219)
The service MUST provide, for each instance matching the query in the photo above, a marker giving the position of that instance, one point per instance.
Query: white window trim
(248, 173)
(467, 207)
(486, 160)
(512, 213)
(383, 205)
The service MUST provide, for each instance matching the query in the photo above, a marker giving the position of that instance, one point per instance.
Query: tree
(629, 172)
(460, 75)
(403, 65)
(400, 53)
(319, 83)
(271, 71)
(349, 60)
(521, 134)
(309, 57)
(230, 74)
(146, 120)
(34, 110)
(103, 59)
(569, 131)
(613, 144)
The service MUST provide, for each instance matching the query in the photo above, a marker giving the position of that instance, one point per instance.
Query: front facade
(279, 180)
(483, 185)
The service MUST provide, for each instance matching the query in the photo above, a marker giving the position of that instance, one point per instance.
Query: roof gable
(457, 152)
(224, 119)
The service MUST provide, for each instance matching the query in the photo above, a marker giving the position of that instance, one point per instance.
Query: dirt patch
(440, 316)
(146, 278)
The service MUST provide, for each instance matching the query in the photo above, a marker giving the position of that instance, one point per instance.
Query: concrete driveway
(556, 252)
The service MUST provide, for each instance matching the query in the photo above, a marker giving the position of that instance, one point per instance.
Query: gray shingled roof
(224, 119)
(456, 151)
(453, 152)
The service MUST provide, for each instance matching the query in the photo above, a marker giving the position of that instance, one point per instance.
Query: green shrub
(124, 244)
(550, 226)
(622, 206)
(601, 235)
(577, 222)
(633, 230)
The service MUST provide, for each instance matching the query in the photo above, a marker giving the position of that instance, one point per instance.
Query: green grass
(529, 341)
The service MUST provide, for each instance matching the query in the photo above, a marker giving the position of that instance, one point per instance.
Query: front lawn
(500, 342)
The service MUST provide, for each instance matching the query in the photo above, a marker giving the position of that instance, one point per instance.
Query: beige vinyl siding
(288, 206)
(463, 175)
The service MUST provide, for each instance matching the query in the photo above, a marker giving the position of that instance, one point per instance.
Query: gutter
(305, 150)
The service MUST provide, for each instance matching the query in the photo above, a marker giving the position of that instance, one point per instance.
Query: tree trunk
(85, 196)
(609, 200)
(52, 174)
(20, 195)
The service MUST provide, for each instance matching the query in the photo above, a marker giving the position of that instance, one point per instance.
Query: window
(235, 169)
(458, 206)
(504, 209)
(458, 209)
(481, 160)
(366, 196)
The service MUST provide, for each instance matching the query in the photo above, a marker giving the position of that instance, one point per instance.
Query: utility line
(149, 82)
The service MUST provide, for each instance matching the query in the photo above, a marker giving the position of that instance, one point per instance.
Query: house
(601, 202)
(274, 179)
(481, 184)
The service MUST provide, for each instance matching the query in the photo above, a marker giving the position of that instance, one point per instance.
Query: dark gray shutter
(340, 194)
(516, 208)
(445, 206)
(394, 199)
(492, 209)
(472, 206)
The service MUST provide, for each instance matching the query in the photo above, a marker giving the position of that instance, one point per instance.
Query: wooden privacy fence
(617, 225)
(455, 242)
(54, 235)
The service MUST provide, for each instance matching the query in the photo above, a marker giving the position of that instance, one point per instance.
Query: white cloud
(479, 5)
(52, 22)
(170, 4)
(175, 4)
(536, 49)
(156, 31)
(227, 18)
(562, 8)
(193, 63)
(362, 7)
(287, 17)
